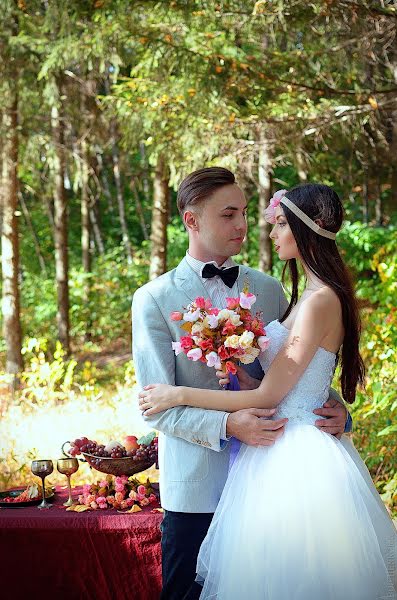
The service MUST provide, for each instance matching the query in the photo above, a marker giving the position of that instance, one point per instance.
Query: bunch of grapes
(88, 446)
(143, 453)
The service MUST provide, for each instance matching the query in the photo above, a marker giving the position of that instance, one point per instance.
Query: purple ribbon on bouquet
(235, 444)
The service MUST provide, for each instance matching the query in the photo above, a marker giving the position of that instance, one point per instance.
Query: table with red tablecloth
(94, 555)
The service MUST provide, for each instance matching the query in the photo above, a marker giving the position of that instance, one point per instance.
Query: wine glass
(68, 466)
(42, 468)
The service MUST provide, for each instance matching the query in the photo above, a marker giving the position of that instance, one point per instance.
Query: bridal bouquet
(221, 337)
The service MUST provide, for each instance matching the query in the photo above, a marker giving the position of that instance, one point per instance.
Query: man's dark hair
(199, 185)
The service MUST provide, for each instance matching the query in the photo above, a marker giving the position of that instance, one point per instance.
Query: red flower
(213, 311)
(231, 367)
(257, 327)
(206, 344)
(186, 342)
(223, 353)
(228, 328)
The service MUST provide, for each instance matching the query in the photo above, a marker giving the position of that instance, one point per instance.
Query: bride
(299, 520)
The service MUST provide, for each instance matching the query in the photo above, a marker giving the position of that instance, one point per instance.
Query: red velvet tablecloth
(94, 555)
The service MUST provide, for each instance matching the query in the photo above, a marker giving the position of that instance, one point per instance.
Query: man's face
(220, 225)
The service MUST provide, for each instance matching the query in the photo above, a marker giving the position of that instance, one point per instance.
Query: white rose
(249, 356)
(197, 327)
(223, 314)
(246, 339)
(232, 341)
(235, 319)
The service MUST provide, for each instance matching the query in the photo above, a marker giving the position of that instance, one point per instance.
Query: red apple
(131, 442)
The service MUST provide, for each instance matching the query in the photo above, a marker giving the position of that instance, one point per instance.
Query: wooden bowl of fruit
(115, 458)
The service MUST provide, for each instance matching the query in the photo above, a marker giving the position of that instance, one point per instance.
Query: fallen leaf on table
(160, 510)
(134, 509)
(79, 508)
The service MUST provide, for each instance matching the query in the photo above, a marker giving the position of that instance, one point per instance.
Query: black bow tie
(228, 276)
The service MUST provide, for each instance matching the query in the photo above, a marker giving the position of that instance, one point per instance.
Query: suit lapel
(189, 281)
(244, 279)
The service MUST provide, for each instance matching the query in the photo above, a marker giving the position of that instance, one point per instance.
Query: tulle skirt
(300, 520)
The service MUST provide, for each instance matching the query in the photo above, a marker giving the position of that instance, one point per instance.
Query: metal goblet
(68, 466)
(42, 468)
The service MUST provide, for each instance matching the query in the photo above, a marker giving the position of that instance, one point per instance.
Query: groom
(194, 449)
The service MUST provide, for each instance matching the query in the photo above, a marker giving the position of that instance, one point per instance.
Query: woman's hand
(156, 397)
(246, 381)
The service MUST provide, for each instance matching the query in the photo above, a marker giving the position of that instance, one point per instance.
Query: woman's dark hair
(321, 256)
(200, 184)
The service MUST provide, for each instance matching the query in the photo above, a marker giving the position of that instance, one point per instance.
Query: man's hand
(245, 380)
(336, 415)
(251, 428)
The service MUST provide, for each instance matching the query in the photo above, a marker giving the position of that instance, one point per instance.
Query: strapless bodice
(312, 389)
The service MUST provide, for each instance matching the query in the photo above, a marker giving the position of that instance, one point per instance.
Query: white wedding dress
(300, 520)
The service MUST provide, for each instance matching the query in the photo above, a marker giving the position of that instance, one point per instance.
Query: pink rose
(144, 502)
(232, 303)
(177, 347)
(247, 300)
(119, 487)
(140, 497)
(141, 489)
(103, 505)
(129, 501)
(176, 316)
(152, 498)
(119, 497)
(195, 354)
(110, 499)
(270, 211)
(200, 302)
(263, 342)
(213, 360)
(103, 483)
(87, 488)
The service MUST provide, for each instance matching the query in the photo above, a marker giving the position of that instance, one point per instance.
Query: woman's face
(284, 241)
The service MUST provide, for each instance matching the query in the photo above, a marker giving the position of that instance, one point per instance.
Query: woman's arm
(311, 326)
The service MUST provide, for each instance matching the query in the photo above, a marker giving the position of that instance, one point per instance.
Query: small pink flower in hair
(270, 211)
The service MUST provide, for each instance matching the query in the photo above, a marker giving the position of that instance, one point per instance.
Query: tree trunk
(378, 203)
(104, 180)
(9, 239)
(301, 166)
(264, 193)
(60, 228)
(95, 226)
(158, 238)
(119, 192)
(85, 210)
(145, 176)
(139, 210)
(36, 242)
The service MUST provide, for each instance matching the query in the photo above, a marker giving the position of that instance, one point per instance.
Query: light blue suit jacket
(192, 457)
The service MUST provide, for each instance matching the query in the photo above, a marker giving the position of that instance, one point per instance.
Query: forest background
(105, 106)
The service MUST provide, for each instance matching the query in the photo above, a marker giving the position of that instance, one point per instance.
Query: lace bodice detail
(312, 389)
